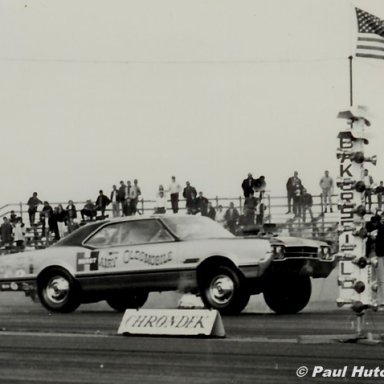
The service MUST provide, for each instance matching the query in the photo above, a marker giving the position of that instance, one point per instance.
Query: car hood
(296, 241)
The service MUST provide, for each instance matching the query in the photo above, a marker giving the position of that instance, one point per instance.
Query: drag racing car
(122, 260)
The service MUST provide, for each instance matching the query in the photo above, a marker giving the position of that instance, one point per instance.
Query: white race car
(122, 260)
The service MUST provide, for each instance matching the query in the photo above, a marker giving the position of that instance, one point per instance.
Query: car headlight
(278, 251)
(324, 252)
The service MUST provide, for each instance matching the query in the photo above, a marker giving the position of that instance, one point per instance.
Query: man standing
(46, 219)
(33, 203)
(121, 195)
(248, 184)
(379, 192)
(250, 205)
(293, 186)
(101, 203)
(220, 215)
(211, 212)
(72, 215)
(231, 217)
(326, 185)
(127, 209)
(174, 189)
(368, 182)
(189, 195)
(135, 193)
(202, 204)
(6, 230)
(306, 203)
(297, 202)
(115, 202)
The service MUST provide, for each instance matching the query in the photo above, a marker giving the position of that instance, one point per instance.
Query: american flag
(370, 38)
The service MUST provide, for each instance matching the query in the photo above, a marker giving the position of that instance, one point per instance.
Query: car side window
(105, 237)
(143, 231)
(130, 233)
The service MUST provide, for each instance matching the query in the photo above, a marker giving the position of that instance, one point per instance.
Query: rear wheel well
(48, 270)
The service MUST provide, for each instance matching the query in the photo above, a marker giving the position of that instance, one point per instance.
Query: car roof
(77, 237)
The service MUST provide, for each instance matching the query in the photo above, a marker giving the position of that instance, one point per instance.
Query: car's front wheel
(121, 301)
(58, 291)
(223, 288)
(287, 295)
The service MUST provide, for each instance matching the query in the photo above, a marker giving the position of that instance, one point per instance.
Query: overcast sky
(93, 92)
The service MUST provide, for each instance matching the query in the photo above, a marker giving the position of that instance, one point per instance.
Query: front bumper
(303, 266)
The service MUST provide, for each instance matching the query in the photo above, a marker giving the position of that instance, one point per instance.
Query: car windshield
(195, 228)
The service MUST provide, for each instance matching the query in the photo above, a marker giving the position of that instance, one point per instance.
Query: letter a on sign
(175, 322)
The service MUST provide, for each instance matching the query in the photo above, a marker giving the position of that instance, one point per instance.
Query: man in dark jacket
(248, 185)
(250, 205)
(211, 212)
(101, 203)
(306, 204)
(6, 230)
(231, 217)
(293, 186)
(189, 195)
(121, 195)
(202, 204)
(33, 203)
(45, 217)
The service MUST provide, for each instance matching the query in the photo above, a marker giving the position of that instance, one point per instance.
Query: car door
(136, 254)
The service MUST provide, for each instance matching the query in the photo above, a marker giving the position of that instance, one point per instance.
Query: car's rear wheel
(223, 288)
(58, 291)
(286, 295)
(125, 300)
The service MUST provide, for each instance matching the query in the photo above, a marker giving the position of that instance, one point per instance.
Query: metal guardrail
(275, 207)
(323, 226)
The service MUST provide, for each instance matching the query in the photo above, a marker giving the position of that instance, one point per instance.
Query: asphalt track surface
(260, 347)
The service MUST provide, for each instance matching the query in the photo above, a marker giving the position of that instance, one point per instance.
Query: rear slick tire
(58, 291)
(127, 300)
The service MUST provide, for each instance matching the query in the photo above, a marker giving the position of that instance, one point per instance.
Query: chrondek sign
(177, 322)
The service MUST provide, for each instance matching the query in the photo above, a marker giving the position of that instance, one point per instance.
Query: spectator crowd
(123, 200)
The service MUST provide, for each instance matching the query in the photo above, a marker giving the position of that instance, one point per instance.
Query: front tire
(121, 301)
(223, 288)
(58, 291)
(288, 295)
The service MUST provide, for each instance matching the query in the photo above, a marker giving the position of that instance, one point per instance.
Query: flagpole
(350, 81)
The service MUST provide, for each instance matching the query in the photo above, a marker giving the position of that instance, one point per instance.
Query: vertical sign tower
(357, 278)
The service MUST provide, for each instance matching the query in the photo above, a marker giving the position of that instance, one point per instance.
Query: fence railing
(320, 225)
(275, 207)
